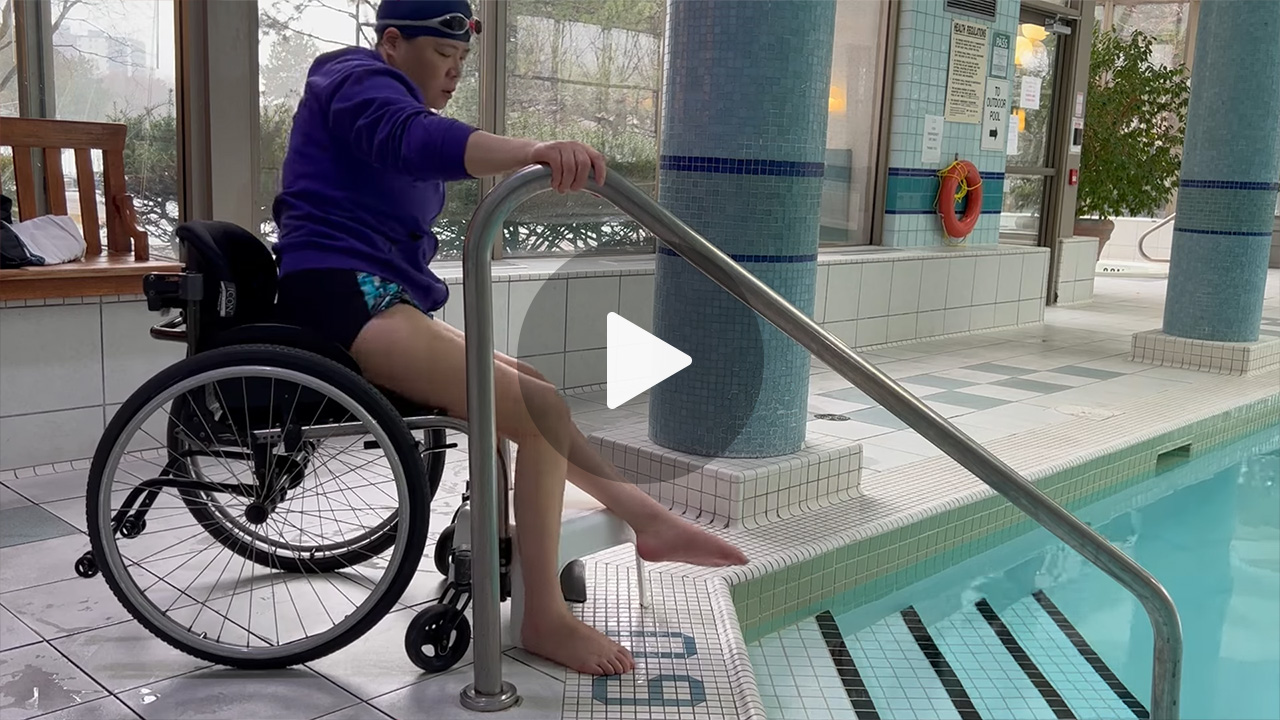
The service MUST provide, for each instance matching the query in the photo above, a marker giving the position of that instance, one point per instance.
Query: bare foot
(671, 539)
(562, 638)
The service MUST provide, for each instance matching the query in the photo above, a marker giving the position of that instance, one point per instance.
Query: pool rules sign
(995, 115)
(966, 71)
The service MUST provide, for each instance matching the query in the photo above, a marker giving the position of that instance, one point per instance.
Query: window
(853, 123)
(1165, 23)
(586, 70)
(8, 60)
(291, 34)
(1170, 25)
(113, 61)
(8, 84)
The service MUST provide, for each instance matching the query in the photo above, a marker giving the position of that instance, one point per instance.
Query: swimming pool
(1032, 630)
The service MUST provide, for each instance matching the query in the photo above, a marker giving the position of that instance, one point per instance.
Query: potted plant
(1134, 122)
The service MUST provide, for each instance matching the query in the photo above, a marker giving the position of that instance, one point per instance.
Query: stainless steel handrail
(488, 688)
(1143, 238)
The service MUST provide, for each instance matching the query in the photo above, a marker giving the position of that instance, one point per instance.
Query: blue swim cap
(449, 19)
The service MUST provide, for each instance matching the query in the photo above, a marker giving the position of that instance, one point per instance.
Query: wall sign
(1012, 148)
(1030, 92)
(1000, 44)
(965, 86)
(931, 143)
(995, 115)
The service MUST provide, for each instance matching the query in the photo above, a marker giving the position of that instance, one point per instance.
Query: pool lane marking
(1050, 694)
(1090, 656)
(854, 687)
(950, 682)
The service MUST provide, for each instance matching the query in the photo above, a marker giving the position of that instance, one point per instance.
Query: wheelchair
(207, 503)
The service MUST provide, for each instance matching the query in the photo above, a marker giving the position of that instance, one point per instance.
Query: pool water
(1032, 630)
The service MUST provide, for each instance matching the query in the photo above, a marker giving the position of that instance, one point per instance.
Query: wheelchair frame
(441, 625)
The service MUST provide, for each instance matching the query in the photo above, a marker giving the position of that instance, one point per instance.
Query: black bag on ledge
(13, 252)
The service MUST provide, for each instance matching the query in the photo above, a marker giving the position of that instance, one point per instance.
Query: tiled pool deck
(1059, 402)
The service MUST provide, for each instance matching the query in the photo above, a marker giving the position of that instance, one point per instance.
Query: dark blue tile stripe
(1090, 656)
(1028, 666)
(1226, 233)
(736, 166)
(859, 697)
(946, 674)
(1230, 185)
(763, 259)
(926, 172)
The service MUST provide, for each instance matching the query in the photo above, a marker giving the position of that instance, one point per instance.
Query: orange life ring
(964, 175)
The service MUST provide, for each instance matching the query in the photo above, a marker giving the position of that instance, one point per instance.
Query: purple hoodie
(363, 178)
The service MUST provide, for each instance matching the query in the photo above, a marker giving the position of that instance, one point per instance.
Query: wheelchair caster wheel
(444, 548)
(437, 638)
(132, 527)
(86, 566)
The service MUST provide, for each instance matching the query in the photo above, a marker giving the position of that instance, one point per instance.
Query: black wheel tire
(432, 627)
(326, 371)
(444, 550)
(86, 567)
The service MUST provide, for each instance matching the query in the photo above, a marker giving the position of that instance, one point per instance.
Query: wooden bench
(116, 268)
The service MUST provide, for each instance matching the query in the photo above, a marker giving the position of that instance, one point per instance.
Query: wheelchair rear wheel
(254, 437)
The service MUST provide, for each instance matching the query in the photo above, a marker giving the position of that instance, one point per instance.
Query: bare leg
(403, 350)
(660, 535)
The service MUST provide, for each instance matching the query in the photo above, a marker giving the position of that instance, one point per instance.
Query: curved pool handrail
(1142, 239)
(483, 232)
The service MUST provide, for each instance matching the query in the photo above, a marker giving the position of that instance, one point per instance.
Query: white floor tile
(876, 457)
(1061, 379)
(13, 633)
(125, 656)
(1000, 392)
(292, 694)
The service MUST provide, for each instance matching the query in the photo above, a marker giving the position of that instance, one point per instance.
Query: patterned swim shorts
(380, 294)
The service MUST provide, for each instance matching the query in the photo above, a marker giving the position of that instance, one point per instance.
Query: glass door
(1031, 166)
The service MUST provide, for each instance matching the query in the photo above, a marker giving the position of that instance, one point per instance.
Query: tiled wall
(864, 298)
(919, 89)
(1077, 265)
(65, 367)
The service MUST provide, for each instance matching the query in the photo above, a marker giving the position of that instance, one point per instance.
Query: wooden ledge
(107, 274)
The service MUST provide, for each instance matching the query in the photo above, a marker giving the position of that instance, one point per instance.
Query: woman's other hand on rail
(571, 164)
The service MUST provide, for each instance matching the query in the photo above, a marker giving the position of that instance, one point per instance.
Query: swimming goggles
(453, 23)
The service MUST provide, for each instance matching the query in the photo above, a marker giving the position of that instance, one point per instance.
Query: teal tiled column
(744, 133)
(1230, 169)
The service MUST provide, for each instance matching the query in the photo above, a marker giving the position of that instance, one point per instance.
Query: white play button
(636, 360)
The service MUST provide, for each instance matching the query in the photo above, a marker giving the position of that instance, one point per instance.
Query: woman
(363, 181)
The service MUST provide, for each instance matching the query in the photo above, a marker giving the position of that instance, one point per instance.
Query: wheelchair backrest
(238, 271)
